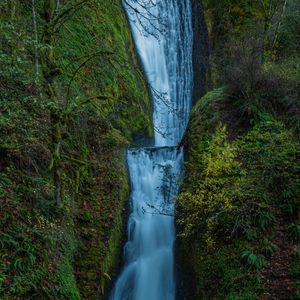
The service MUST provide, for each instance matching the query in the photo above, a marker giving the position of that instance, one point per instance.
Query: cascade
(162, 32)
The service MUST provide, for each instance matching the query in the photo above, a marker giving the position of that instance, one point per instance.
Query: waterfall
(162, 32)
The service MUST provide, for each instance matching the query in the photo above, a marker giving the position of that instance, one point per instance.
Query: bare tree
(279, 23)
(272, 13)
(36, 41)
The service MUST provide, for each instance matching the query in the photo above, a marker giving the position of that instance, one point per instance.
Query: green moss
(61, 283)
(100, 226)
(115, 74)
(204, 115)
(100, 90)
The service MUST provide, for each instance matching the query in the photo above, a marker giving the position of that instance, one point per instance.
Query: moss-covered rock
(69, 251)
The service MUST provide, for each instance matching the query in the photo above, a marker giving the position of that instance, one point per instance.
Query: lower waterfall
(162, 31)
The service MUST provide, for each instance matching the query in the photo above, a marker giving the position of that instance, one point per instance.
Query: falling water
(163, 37)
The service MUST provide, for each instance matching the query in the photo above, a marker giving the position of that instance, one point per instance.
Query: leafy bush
(233, 194)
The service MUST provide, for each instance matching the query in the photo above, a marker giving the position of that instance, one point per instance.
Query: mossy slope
(238, 213)
(71, 251)
(237, 189)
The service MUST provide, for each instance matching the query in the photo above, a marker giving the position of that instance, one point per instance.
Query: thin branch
(141, 12)
(157, 212)
(61, 18)
(83, 64)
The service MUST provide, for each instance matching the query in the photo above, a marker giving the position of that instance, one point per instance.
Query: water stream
(162, 31)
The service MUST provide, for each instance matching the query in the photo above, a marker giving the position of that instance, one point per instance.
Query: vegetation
(70, 85)
(238, 212)
(73, 98)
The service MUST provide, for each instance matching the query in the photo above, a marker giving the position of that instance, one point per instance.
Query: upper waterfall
(163, 37)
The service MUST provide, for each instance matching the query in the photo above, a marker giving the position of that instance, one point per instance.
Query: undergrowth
(69, 251)
(233, 192)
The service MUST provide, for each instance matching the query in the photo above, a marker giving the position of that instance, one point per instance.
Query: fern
(254, 261)
(294, 232)
(267, 247)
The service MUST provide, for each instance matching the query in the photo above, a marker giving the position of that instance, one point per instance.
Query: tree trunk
(277, 30)
(35, 32)
(50, 72)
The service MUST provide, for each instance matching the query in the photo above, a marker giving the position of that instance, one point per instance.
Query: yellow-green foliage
(232, 193)
(212, 199)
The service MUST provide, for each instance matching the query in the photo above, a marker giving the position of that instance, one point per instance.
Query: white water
(166, 55)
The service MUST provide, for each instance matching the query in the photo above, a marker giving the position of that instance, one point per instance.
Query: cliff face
(201, 51)
(67, 105)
